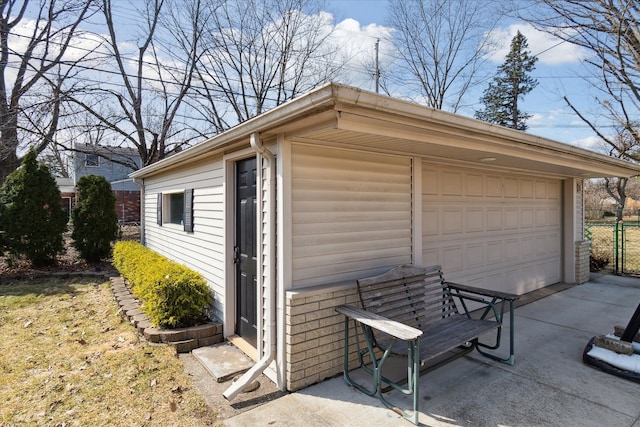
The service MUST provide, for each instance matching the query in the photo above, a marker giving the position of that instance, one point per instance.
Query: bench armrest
(485, 292)
(381, 323)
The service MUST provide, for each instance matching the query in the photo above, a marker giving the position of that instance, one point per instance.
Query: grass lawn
(68, 358)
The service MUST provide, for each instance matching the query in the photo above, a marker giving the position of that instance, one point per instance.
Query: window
(176, 208)
(92, 160)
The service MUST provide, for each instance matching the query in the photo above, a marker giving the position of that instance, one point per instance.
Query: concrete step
(223, 361)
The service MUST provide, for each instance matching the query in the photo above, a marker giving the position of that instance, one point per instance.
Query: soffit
(448, 144)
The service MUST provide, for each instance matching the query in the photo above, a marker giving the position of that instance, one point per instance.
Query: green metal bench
(416, 305)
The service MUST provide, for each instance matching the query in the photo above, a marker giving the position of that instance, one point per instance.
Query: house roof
(342, 116)
(106, 150)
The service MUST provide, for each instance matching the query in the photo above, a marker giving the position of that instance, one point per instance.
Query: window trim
(187, 210)
(163, 206)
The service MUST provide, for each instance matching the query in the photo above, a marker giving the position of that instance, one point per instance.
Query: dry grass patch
(68, 358)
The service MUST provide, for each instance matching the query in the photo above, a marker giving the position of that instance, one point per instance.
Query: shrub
(172, 295)
(95, 223)
(600, 250)
(598, 262)
(32, 217)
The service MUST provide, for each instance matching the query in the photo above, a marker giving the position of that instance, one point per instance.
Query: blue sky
(357, 24)
(559, 72)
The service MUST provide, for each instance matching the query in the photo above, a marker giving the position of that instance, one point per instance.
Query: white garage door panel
(500, 232)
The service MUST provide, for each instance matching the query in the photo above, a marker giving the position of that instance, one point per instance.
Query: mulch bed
(67, 262)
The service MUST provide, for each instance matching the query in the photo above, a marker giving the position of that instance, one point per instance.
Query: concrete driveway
(548, 386)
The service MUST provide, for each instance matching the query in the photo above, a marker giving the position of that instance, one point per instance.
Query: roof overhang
(341, 116)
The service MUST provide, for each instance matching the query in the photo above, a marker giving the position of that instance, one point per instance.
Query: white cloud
(592, 143)
(356, 47)
(550, 50)
(537, 119)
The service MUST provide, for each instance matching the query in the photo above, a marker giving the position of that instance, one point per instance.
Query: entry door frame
(230, 160)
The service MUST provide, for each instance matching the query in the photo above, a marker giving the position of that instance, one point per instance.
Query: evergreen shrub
(95, 223)
(172, 295)
(32, 219)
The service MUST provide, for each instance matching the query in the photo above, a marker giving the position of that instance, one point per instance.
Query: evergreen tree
(31, 215)
(95, 223)
(511, 84)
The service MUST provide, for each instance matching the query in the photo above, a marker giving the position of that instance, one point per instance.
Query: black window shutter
(159, 209)
(188, 210)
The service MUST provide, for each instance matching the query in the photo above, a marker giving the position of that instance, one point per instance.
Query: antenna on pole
(377, 76)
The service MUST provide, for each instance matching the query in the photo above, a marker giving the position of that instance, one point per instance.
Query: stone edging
(183, 339)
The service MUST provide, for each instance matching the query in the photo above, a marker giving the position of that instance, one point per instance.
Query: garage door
(494, 230)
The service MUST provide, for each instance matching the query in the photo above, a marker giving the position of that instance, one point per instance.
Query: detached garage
(282, 213)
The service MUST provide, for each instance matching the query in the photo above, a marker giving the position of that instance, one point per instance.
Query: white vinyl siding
(202, 250)
(499, 231)
(351, 214)
(263, 239)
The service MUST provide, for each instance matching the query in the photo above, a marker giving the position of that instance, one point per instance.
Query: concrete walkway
(548, 386)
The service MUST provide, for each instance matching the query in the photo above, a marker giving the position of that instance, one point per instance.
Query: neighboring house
(282, 213)
(115, 164)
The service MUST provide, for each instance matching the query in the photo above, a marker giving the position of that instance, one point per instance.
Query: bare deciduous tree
(143, 105)
(260, 54)
(441, 44)
(33, 70)
(594, 198)
(622, 145)
(611, 196)
(610, 31)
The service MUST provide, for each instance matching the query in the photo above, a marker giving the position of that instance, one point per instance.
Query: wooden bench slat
(413, 316)
(387, 286)
(446, 335)
(380, 323)
(451, 332)
(400, 305)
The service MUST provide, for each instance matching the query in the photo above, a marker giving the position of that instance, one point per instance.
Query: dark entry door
(245, 251)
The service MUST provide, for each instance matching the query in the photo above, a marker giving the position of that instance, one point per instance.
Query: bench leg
(508, 360)
(413, 376)
(347, 377)
(413, 371)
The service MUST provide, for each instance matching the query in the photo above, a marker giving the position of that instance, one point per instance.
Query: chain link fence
(615, 247)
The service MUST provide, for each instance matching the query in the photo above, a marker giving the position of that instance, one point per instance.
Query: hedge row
(171, 294)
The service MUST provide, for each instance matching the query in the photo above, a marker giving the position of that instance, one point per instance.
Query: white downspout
(140, 183)
(269, 355)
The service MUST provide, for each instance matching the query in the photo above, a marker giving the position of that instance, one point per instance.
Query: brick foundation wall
(582, 261)
(127, 205)
(315, 335)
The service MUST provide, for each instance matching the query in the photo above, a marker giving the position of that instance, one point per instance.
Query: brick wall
(582, 261)
(127, 205)
(315, 335)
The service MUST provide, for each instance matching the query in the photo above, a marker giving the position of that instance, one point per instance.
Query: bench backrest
(414, 296)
